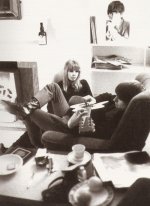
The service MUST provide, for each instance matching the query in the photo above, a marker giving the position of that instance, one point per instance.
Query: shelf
(103, 80)
(127, 69)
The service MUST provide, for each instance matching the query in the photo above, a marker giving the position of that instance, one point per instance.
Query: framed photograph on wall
(10, 9)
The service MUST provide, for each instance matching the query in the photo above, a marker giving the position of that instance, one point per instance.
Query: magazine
(116, 168)
(94, 106)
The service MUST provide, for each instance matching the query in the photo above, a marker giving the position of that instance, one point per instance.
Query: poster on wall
(117, 27)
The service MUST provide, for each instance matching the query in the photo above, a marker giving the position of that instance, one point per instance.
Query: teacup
(78, 152)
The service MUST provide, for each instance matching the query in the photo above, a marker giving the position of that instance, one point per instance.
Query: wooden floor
(10, 132)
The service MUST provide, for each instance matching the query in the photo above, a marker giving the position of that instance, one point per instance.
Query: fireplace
(18, 83)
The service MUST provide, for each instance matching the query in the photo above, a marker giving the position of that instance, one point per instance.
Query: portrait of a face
(117, 28)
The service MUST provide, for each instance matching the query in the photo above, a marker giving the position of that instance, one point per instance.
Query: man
(105, 120)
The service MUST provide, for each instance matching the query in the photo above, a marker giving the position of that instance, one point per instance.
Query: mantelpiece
(19, 82)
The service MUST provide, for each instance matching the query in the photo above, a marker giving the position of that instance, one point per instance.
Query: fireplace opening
(7, 92)
(18, 83)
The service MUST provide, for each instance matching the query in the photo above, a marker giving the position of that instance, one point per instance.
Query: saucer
(86, 158)
(10, 163)
(101, 198)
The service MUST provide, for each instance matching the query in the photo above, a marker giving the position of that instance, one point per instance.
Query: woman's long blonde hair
(71, 65)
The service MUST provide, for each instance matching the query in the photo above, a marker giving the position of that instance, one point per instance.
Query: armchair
(130, 134)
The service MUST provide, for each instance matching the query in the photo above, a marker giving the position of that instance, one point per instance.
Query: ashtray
(41, 161)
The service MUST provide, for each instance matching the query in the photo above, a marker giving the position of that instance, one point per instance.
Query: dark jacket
(85, 90)
(107, 118)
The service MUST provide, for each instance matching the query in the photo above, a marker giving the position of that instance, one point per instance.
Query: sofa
(130, 134)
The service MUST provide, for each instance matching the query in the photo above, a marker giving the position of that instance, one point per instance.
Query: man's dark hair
(115, 6)
(127, 90)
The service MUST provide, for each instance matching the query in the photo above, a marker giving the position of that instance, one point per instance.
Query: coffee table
(25, 186)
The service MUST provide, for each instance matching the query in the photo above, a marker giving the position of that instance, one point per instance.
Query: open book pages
(116, 168)
(77, 107)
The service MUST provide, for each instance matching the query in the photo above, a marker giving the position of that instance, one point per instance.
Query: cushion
(144, 78)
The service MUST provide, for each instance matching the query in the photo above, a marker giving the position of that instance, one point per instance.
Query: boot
(32, 105)
(21, 111)
(15, 108)
(2, 149)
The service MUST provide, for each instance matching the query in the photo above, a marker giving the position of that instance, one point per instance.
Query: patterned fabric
(32, 105)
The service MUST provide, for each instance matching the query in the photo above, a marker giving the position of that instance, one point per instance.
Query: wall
(67, 26)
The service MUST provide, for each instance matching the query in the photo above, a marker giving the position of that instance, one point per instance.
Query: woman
(58, 97)
(71, 86)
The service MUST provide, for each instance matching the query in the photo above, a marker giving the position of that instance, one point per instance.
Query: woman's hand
(75, 118)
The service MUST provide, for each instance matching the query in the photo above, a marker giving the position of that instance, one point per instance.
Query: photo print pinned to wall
(117, 27)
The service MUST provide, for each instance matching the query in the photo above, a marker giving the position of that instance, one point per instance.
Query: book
(111, 62)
